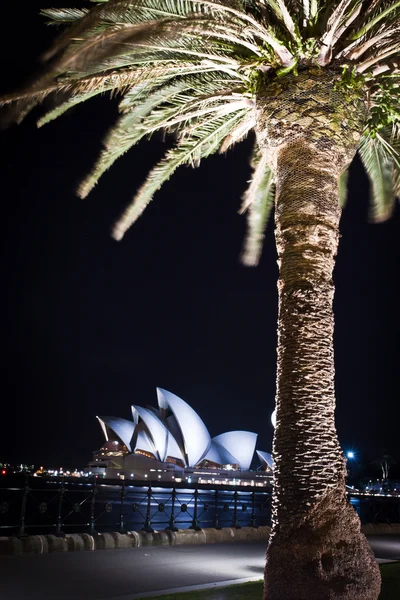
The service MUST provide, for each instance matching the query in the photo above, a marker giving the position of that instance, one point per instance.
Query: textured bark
(316, 550)
(313, 106)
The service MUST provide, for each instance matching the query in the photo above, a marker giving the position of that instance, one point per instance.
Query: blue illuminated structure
(172, 442)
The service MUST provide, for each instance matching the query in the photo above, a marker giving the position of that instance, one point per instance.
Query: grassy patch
(243, 591)
(390, 582)
(253, 590)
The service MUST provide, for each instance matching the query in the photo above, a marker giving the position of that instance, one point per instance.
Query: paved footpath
(126, 574)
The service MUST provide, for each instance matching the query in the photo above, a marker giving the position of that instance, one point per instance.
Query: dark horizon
(93, 326)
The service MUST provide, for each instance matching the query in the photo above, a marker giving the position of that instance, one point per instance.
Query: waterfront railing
(67, 506)
(59, 505)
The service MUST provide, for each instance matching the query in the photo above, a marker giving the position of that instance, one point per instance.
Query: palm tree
(317, 81)
(384, 462)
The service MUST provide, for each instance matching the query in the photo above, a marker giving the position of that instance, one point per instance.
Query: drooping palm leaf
(343, 190)
(379, 167)
(140, 121)
(258, 201)
(187, 66)
(396, 182)
(204, 141)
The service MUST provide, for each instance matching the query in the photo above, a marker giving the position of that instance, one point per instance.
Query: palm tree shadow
(255, 569)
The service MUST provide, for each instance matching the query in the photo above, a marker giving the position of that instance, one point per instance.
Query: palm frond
(310, 11)
(343, 189)
(239, 133)
(142, 120)
(338, 22)
(396, 183)
(391, 11)
(379, 167)
(204, 79)
(258, 201)
(389, 145)
(120, 40)
(194, 68)
(63, 15)
(62, 108)
(392, 50)
(78, 29)
(281, 11)
(147, 11)
(205, 141)
(115, 82)
(354, 51)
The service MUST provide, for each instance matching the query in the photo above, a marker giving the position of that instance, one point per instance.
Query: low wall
(75, 542)
(381, 528)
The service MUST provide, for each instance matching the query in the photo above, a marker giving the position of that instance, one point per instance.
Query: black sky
(92, 326)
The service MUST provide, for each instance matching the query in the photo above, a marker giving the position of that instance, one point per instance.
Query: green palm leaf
(381, 13)
(204, 141)
(57, 16)
(343, 189)
(258, 201)
(396, 182)
(70, 103)
(142, 119)
(178, 63)
(379, 166)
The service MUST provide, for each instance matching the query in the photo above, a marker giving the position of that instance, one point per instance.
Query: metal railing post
(59, 509)
(216, 521)
(171, 526)
(23, 507)
(235, 521)
(121, 512)
(92, 508)
(147, 524)
(195, 523)
(253, 514)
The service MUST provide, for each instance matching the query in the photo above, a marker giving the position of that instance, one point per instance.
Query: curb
(192, 588)
(77, 542)
(381, 529)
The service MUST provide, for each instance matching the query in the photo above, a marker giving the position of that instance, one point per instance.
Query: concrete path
(126, 574)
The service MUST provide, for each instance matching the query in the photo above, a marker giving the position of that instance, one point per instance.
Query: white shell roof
(173, 427)
(173, 449)
(266, 458)
(143, 442)
(157, 429)
(241, 444)
(181, 435)
(196, 438)
(122, 428)
(220, 455)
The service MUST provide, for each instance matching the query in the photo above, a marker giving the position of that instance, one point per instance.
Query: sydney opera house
(172, 443)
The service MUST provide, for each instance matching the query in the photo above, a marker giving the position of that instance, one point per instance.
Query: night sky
(92, 326)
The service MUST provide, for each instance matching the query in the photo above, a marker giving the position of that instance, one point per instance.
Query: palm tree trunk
(316, 550)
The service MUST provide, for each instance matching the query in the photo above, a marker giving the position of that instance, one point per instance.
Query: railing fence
(33, 505)
(65, 506)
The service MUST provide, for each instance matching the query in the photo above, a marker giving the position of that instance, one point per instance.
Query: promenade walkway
(126, 574)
